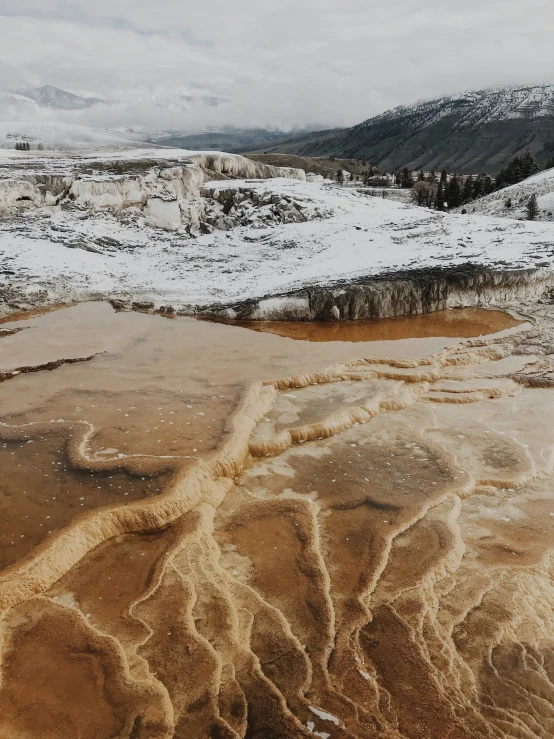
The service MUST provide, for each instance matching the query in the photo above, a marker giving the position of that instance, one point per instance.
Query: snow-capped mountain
(48, 97)
(13, 101)
(471, 132)
(188, 118)
(476, 108)
(54, 98)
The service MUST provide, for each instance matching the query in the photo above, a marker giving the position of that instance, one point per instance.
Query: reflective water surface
(340, 530)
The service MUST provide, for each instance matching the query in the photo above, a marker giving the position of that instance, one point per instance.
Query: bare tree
(424, 193)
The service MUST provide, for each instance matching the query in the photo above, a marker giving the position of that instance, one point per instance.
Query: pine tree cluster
(23, 146)
(517, 170)
(457, 194)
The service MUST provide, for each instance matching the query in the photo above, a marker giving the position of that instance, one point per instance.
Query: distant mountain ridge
(34, 104)
(233, 140)
(472, 132)
(48, 96)
(54, 98)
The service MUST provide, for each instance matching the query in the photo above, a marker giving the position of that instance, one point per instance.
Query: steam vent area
(277, 530)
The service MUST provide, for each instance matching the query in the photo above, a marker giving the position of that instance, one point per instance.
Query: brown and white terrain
(294, 521)
(209, 531)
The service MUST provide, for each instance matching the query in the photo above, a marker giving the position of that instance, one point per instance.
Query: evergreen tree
(340, 177)
(517, 170)
(482, 185)
(550, 163)
(532, 208)
(17, 146)
(529, 166)
(508, 203)
(453, 193)
(488, 184)
(467, 192)
(421, 176)
(439, 199)
(406, 178)
(444, 178)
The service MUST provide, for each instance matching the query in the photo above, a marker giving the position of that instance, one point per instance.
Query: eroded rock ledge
(388, 296)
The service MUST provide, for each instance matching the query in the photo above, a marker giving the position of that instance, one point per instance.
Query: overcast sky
(281, 63)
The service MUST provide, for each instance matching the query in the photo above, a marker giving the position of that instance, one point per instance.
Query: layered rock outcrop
(168, 192)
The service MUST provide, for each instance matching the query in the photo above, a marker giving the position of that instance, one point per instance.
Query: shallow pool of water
(243, 530)
(462, 323)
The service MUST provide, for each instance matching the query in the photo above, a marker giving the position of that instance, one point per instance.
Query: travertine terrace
(277, 538)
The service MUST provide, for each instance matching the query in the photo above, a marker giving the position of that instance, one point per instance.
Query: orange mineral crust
(212, 531)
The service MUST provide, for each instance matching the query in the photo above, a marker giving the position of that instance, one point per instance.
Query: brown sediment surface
(43, 487)
(255, 536)
(461, 323)
(34, 313)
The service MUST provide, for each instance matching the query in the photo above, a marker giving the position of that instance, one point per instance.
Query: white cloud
(333, 62)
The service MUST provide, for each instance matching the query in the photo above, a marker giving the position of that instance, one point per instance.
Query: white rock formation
(272, 249)
(117, 192)
(162, 213)
(167, 191)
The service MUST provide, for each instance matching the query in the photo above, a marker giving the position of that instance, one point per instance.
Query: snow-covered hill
(59, 136)
(13, 101)
(511, 202)
(248, 240)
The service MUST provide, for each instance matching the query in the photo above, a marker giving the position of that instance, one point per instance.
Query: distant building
(382, 180)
